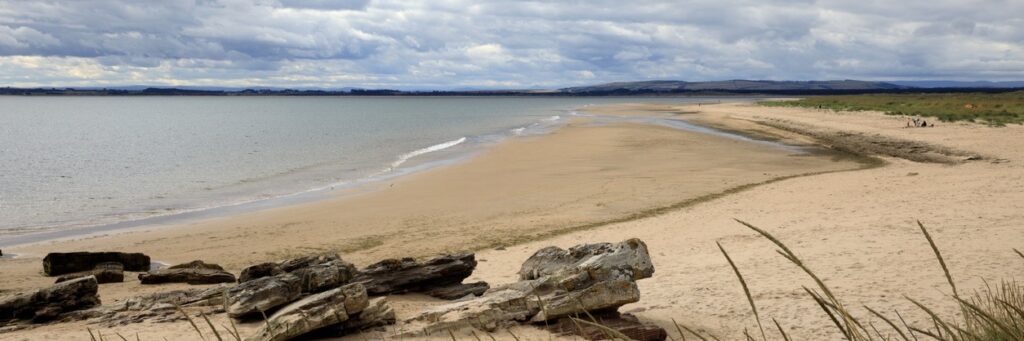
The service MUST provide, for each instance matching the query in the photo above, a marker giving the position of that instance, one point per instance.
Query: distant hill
(209, 88)
(961, 84)
(733, 85)
(643, 88)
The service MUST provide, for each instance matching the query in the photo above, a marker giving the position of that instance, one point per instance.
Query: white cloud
(25, 37)
(488, 54)
(458, 43)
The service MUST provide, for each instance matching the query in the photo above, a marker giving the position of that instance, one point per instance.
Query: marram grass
(991, 314)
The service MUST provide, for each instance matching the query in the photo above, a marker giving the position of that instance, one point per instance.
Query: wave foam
(437, 147)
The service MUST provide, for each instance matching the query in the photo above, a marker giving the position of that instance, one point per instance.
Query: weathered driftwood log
(625, 324)
(45, 304)
(196, 264)
(317, 311)
(104, 272)
(319, 277)
(606, 260)
(187, 275)
(259, 271)
(393, 276)
(318, 272)
(377, 313)
(59, 263)
(555, 283)
(262, 294)
(457, 291)
(157, 307)
(289, 265)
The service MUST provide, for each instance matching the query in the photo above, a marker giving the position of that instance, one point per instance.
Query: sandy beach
(852, 220)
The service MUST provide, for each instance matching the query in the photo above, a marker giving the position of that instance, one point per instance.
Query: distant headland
(639, 88)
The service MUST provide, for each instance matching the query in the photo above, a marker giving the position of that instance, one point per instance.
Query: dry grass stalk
(193, 323)
(215, 333)
(746, 291)
(990, 315)
(682, 336)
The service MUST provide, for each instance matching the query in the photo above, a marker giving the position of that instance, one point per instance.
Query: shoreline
(559, 225)
(350, 188)
(855, 227)
(405, 164)
(185, 211)
(367, 184)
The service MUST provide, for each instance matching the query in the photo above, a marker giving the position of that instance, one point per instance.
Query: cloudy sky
(440, 44)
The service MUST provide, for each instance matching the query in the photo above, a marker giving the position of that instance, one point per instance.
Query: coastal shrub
(997, 109)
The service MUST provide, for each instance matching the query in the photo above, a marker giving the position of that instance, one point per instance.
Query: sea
(92, 164)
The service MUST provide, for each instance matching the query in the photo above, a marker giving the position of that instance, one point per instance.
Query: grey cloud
(458, 43)
(184, 29)
(327, 4)
(957, 27)
(24, 38)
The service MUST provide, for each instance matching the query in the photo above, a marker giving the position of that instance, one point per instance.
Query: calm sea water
(69, 162)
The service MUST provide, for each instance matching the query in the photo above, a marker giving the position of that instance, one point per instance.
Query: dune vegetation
(996, 109)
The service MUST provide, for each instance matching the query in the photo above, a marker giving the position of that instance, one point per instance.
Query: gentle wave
(437, 147)
(128, 218)
(537, 127)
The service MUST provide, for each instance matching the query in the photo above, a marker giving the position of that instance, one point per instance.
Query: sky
(437, 44)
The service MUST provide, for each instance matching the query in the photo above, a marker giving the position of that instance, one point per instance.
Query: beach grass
(991, 314)
(996, 109)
